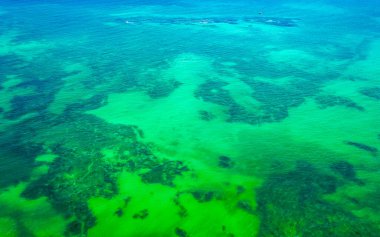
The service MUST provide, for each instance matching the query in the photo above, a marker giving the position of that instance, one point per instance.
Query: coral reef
(203, 196)
(161, 88)
(275, 102)
(180, 232)
(325, 101)
(213, 91)
(225, 162)
(345, 169)
(206, 115)
(373, 92)
(22, 105)
(16, 159)
(81, 171)
(164, 173)
(292, 204)
(141, 214)
(44, 92)
(246, 206)
(276, 21)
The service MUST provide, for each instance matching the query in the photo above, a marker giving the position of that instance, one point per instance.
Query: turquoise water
(178, 118)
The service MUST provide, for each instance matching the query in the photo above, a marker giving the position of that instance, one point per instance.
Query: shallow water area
(178, 118)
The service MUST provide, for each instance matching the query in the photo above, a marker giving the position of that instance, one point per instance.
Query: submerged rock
(180, 232)
(119, 212)
(141, 214)
(225, 162)
(203, 196)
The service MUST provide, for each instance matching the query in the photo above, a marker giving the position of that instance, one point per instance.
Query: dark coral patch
(159, 89)
(157, 86)
(180, 232)
(240, 189)
(80, 170)
(22, 105)
(182, 210)
(213, 91)
(119, 212)
(141, 214)
(345, 170)
(292, 203)
(225, 162)
(373, 92)
(206, 116)
(16, 160)
(37, 102)
(203, 196)
(275, 101)
(326, 101)
(91, 103)
(246, 206)
(164, 173)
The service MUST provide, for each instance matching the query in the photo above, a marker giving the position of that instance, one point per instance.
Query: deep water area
(189, 118)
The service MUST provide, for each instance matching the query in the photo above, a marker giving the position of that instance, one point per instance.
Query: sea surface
(190, 118)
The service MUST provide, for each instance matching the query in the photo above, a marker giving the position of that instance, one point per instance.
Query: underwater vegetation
(346, 170)
(156, 87)
(275, 100)
(292, 204)
(326, 101)
(80, 170)
(212, 91)
(373, 92)
(206, 115)
(23, 155)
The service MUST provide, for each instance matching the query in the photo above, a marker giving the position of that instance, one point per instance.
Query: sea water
(190, 118)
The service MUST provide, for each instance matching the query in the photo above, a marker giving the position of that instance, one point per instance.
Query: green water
(175, 118)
